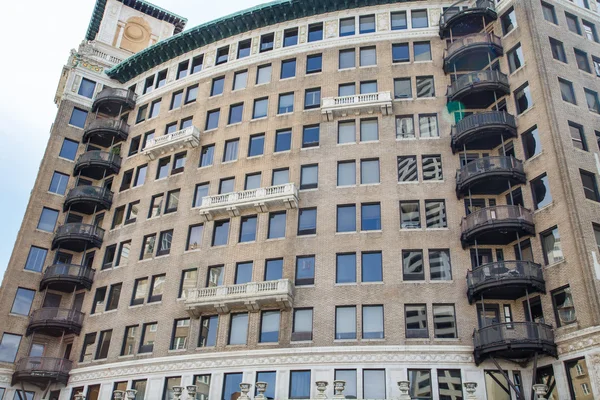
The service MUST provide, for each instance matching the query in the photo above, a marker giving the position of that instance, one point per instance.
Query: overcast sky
(36, 39)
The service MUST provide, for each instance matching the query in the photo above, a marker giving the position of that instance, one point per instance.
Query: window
(371, 267)
(288, 68)
(419, 19)
(444, 321)
(310, 136)
(269, 327)
(148, 136)
(420, 384)
(276, 225)
(589, 29)
(346, 132)
(309, 176)
(139, 291)
(240, 80)
(345, 322)
(148, 246)
(36, 259)
(425, 86)
(299, 385)
(346, 218)
(440, 268)
(410, 217)
(222, 55)
(508, 21)
(346, 89)
(178, 163)
(402, 88)
(164, 243)
(226, 185)
(573, 23)
(551, 246)
(220, 233)
(578, 378)
(532, 144)
(372, 322)
(305, 270)
(590, 188)
(260, 108)
(181, 332)
(47, 220)
(435, 213)
(400, 53)
(515, 58)
(148, 337)
(86, 89)
(405, 128)
(558, 50)
(283, 140)
(217, 86)
(368, 87)
(366, 23)
(346, 173)
(157, 288)
(432, 168)
(154, 109)
(197, 64)
(369, 130)
(307, 221)
(231, 386)
(407, 169)
(208, 331)
(596, 65)
(162, 170)
(347, 27)
(182, 69)
(286, 103)
(347, 59)
(161, 78)
(274, 269)
(188, 281)
(141, 115)
(368, 56)
(140, 175)
(88, 341)
(22, 302)
(302, 324)
(127, 178)
(155, 206)
(567, 92)
(564, 309)
(215, 276)
(280, 177)
(290, 37)
(583, 62)
(123, 254)
(312, 98)
(345, 270)
(523, 99)
(370, 217)
(244, 48)
(577, 136)
(58, 184)
(231, 150)
(412, 265)
(399, 20)
(248, 229)
(374, 383)
(9, 345)
(236, 112)
(212, 119)
(68, 149)
(103, 344)
(369, 171)
(252, 181)
(114, 295)
(549, 13)
(78, 118)
(263, 74)
(593, 101)
(266, 42)
(314, 63)
(415, 316)
(238, 329)
(315, 32)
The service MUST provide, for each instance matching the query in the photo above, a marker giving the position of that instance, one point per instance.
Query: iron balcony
(457, 22)
(67, 278)
(88, 199)
(505, 280)
(483, 131)
(489, 175)
(97, 164)
(478, 89)
(106, 132)
(472, 53)
(41, 371)
(513, 341)
(114, 101)
(497, 225)
(55, 322)
(77, 237)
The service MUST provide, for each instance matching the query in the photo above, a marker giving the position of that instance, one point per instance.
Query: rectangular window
(374, 384)
(370, 217)
(578, 378)
(154, 109)
(346, 173)
(589, 29)
(596, 62)
(410, 216)
(217, 86)
(564, 308)
(236, 112)
(78, 118)
(286, 103)
(226, 185)
(132, 212)
(36, 259)
(86, 88)
(290, 37)
(399, 20)
(305, 270)
(567, 92)
(23, 301)
(523, 99)
(123, 254)
(47, 220)
(148, 246)
(181, 332)
(197, 64)
(551, 246)
(310, 136)
(422, 51)
(140, 175)
(515, 58)
(208, 331)
(372, 322)
(178, 163)
(222, 55)
(269, 327)
(583, 62)
(244, 48)
(212, 119)
(346, 218)
(532, 144)
(162, 170)
(86, 351)
(508, 21)
(312, 98)
(252, 181)
(182, 69)
(402, 88)
(444, 321)
(280, 177)
(407, 169)
(164, 243)
(366, 23)
(141, 115)
(288, 69)
(368, 56)
(220, 232)
(420, 384)
(215, 276)
(425, 86)
(307, 221)
(593, 101)
(188, 282)
(200, 193)
(415, 316)
(371, 267)
(419, 19)
(103, 344)
(346, 132)
(400, 53)
(68, 149)
(276, 225)
(157, 288)
(440, 268)
(139, 291)
(405, 128)
(114, 294)
(302, 325)
(129, 340)
(369, 130)
(432, 168)
(266, 42)
(99, 299)
(260, 108)
(207, 155)
(573, 23)
(345, 322)
(148, 337)
(240, 79)
(345, 268)
(346, 89)
(540, 190)
(315, 32)
(590, 187)
(558, 50)
(243, 273)
(238, 328)
(263, 74)
(549, 13)
(435, 213)
(231, 150)
(156, 204)
(347, 27)
(314, 63)
(309, 176)
(347, 59)
(412, 265)
(273, 269)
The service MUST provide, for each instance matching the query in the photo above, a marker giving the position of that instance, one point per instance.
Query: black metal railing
(70, 271)
(476, 78)
(98, 193)
(99, 156)
(473, 39)
(115, 94)
(504, 270)
(56, 315)
(452, 11)
(510, 332)
(495, 214)
(483, 120)
(44, 365)
(484, 165)
(107, 124)
(78, 231)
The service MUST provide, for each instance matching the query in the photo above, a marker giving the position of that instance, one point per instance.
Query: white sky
(35, 40)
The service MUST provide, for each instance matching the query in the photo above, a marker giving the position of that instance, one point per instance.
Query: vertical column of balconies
(476, 86)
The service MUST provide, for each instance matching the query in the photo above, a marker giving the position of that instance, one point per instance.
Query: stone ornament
(540, 391)
(118, 395)
(177, 390)
(404, 388)
(261, 388)
(191, 390)
(331, 28)
(470, 388)
(131, 394)
(338, 389)
(244, 388)
(79, 396)
(321, 387)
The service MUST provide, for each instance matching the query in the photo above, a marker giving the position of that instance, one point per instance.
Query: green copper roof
(231, 25)
(140, 5)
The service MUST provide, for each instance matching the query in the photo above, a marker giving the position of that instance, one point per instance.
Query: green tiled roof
(231, 25)
(140, 5)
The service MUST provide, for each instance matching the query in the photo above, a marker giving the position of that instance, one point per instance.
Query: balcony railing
(114, 101)
(261, 200)
(55, 321)
(65, 277)
(505, 280)
(105, 132)
(472, 52)
(489, 175)
(251, 296)
(356, 104)
(97, 164)
(513, 340)
(42, 370)
(492, 225)
(483, 131)
(185, 138)
(77, 236)
(87, 199)
(477, 79)
(466, 21)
